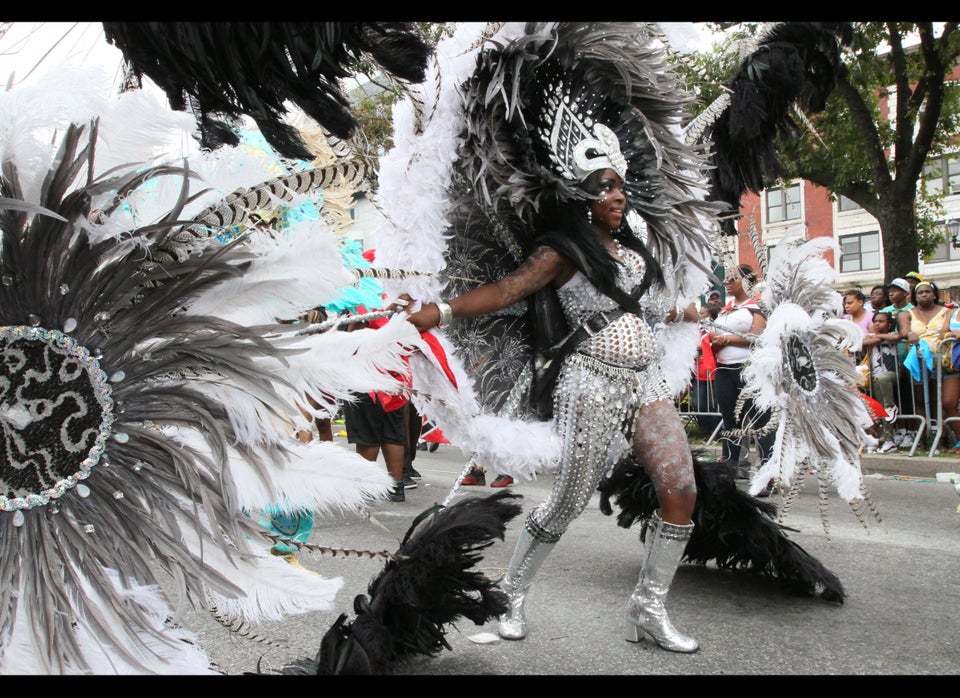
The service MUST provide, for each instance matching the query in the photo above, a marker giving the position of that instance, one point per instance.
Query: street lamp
(953, 227)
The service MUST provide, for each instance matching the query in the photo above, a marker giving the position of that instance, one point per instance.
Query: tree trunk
(899, 234)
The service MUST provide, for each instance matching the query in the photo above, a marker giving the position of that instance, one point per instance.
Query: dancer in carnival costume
(573, 184)
(591, 146)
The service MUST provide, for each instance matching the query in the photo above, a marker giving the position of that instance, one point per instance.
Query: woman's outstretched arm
(542, 267)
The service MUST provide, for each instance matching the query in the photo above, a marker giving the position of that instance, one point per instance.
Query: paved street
(901, 616)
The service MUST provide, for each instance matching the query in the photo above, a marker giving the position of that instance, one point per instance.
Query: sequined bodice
(628, 341)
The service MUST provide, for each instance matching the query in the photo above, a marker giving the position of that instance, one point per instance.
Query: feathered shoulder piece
(790, 65)
(222, 70)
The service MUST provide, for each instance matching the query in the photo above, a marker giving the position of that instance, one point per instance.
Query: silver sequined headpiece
(577, 144)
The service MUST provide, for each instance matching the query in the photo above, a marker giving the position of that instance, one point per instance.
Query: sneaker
(409, 483)
(412, 472)
(422, 446)
(396, 494)
(891, 414)
(433, 447)
(888, 446)
(474, 477)
(502, 481)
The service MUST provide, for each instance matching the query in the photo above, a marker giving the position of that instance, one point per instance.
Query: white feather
(271, 587)
(317, 476)
(295, 271)
(180, 655)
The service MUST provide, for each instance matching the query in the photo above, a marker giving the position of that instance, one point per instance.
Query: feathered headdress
(567, 98)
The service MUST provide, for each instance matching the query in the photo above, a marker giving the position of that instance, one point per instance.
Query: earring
(589, 215)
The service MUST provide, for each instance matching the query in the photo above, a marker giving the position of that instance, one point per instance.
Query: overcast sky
(28, 49)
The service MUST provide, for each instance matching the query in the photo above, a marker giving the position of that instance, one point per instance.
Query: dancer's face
(608, 210)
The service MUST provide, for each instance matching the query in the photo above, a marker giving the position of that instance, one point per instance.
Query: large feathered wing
(137, 409)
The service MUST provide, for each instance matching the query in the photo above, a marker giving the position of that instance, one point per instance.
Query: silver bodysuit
(612, 374)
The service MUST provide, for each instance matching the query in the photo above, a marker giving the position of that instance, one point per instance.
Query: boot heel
(633, 632)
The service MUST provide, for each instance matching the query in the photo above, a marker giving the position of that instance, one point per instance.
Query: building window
(945, 251)
(860, 252)
(845, 204)
(942, 174)
(783, 203)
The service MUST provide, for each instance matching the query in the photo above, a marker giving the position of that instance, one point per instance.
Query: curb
(897, 465)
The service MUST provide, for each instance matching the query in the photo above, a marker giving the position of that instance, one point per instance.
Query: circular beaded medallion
(56, 412)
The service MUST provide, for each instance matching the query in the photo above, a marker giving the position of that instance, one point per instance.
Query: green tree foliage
(870, 152)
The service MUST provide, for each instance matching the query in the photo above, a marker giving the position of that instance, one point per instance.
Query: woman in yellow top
(929, 320)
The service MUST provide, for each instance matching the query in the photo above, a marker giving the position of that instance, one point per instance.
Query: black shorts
(368, 424)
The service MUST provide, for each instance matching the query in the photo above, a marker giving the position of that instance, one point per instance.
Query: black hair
(936, 292)
(886, 314)
(856, 293)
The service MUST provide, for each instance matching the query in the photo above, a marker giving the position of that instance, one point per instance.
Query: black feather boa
(732, 528)
(429, 585)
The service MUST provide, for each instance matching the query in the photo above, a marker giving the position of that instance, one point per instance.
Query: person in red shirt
(706, 366)
(376, 422)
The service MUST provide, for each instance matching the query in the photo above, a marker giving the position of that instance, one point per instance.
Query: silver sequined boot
(527, 558)
(646, 615)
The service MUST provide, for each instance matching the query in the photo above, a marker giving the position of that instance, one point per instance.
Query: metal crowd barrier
(946, 346)
(903, 376)
(930, 420)
(694, 413)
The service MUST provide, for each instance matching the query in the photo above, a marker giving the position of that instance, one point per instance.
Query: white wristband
(446, 314)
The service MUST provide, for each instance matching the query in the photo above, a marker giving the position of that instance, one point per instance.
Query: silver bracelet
(678, 313)
(446, 314)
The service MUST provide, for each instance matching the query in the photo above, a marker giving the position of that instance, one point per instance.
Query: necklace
(620, 251)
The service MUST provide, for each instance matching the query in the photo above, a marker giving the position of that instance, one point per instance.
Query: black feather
(223, 70)
(430, 584)
(796, 63)
(733, 529)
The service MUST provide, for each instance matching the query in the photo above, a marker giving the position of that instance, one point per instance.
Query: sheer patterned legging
(592, 404)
